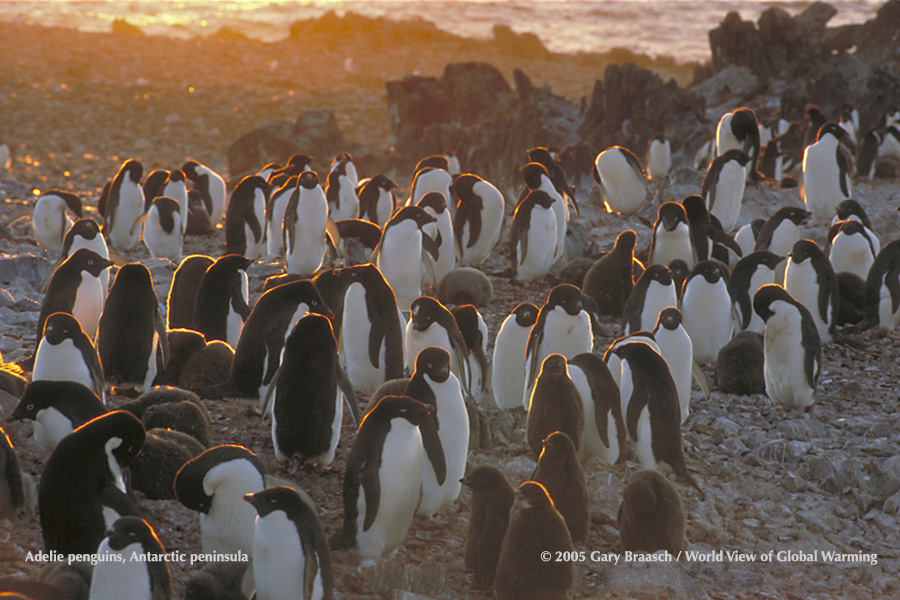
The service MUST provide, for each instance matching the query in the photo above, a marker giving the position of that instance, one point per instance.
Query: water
(676, 28)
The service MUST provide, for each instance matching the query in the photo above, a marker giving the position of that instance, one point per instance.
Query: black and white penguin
(183, 291)
(291, 557)
(214, 484)
(383, 478)
(611, 279)
(122, 204)
(431, 175)
(554, 405)
(604, 428)
(882, 294)
(708, 238)
(306, 395)
(87, 464)
(536, 177)
(221, 305)
(791, 347)
(676, 347)
(508, 361)
(534, 238)
(809, 278)
(739, 130)
(118, 574)
(175, 187)
(56, 408)
(437, 205)
(85, 233)
(535, 526)
(163, 232)
(432, 324)
(49, 220)
(344, 160)
(723, 186)
(654, 291)
(671, 236)
(153, 185)
(275, 209)
(850, 248)
(475, 334)
(12, 493)
(651, 516)
(478, 221)
(782, 230)
(66, 353)
(131, 338)
(746, 236)
(245, 219)
(210, 185)
(343, 203)
(305, 220)
(358, 240)
(650, 407)
(706, 309)
(75, 288)
(771, 161)
(852, 209)
(543, 156)
(621, 178)
(371, 332)
(826, 173)
(562, 326)
(376, 199)
(612, 359)
(561, 474)
(445, 433)
(749, 274)
(399, 255)
(492, 499)
(659, 156)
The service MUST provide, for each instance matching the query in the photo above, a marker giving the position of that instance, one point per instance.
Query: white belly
(130, 207)
(800, 282)
(62, 362)
(508, 365)
(400, 262)
(435, 335)
(677, 349)
(117, 580)
(454, 435)
(278, 560)
(729, 194)
(591, 443)
(784, 373)
(673, 244)
(542, 242)
(89, 303)
(50, 427)
(707, 318)
(229, 525)
(355, 332)
(821, 181)
(853, 254)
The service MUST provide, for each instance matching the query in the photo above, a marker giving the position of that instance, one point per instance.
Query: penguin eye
(430, 365)
(30, 407)
(352, 274)
(91, 261)
(315, 302)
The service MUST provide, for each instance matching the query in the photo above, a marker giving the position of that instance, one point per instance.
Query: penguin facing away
(49, 220)
(66, 353)
(492, 499)
(604, 428)
(508, 364)
(651, 516)
(117, 575)
(183, 291)
(245, 232)
(739, 130)
(276, 206)
(221, 302)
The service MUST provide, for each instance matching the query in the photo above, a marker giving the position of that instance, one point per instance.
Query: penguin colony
(355, 311)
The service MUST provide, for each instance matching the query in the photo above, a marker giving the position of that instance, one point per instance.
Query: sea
(657, 28)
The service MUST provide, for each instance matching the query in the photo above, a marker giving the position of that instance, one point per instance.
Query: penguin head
(532, 495)
(231, 262)
(695, 207)
(635, 346)
(794, 214)
(533, 173)
(625, 241)
(554, 365)
(198, 479)
(658, 273)
(119, 432)
(176, 176)
(45, 393)
(190, 169)
(567, 297)
(308, 180)
(485, 478)
(526, 314)
(61, 326)
(132, 530)
(340, 160)
(384, 182)
(680, 271)
(411, 213)
(540, 154)
(434, 161)
(803, 250)
(669, 318)
(279, 497)
(744, 123)
(133, 170)
(403, 407)
(469, 322)
(433, 200)
(832, 129)
(558, 448)
(84, 228)
(767, 295)
(136, 278)
(535, 197)
(711, 270)
(154, 183)
(69, 200)
(670, 215)
(846, 227)
(434, 362)
(423, 312)
(247, 187)
(852, 209)
(85, 259)
(463, 185)
(299, 163)
(738, 156)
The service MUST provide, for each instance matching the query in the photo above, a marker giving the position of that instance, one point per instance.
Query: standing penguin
(651, 516)
(183, 291)
(66, 353)
(306, 395)
(559, 471)
(542, 156)
(650, 406)
(291, 557)
(400, 252)
(85, 233)
(739, 130)
(343, 203)
(746, 236)
(474, 333)
(87, 464)
(826, 173)
(56, 408)
(723, 186)
(882, 292)
(436, 205)
(432, 324)
(275, 209)
(535, 526)
(620, 176)
(122, 204)
(671, 236)
(383, 478)
(210, 186)
(479, 219)
(555, 405)
(117, 575)
(445, 433)
(508, 363)
(659, 156)
(536, 177)
(534, 236)
(708, 238)
(75, 288)
(850, 247)
(492, 499)
(604, 428)
(12, 494)
(245, 219)
(610, 280)
(371, 332)
(305, 220)
(749, 274)
(376, 200)
(163, 231)
(791, 347)
(706, 308)
(214, 484)
(221, 306)
(131, 338)
(175, 187)
(431, 175)
(654, 291)
(809, 278)
(676, 347)
(49, 220)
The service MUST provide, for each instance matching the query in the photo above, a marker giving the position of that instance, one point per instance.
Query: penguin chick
(651, 516)
(492, 499)
(560, 472)
(555, 406)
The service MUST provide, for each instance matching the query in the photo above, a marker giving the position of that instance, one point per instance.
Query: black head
(670, 214)
(118, 424)
(669, 318)
(486, 478)
(231, 262)
(341, 158)
(404, 407)
(45, 393)
(132, 530)
(738, 156)
(308, 180)
(803, 250)
(84, 228)
(423, 312)
(567, 296)
(463, 185)
(526, 314)
(792, 213)
(532, 174)
(554, 364)
(279, 497)
(694, 204)
(61, 326)
(300, 161)
(176, 176)
(411, 213)
(383, 181)
(189, 481)
(85, 259)
(132, 169)
(435, 161)
(658, 273)
(190, 169)
(852, 227)
(680, 271)
(625, 241)
(306, 292)
(559, 447)
(832, 129)
(852, 208)
(743, 122)
(533, 495)
(766, 295)
(540, 154)
(72, 201)
(246, 187)
(136, 277)
(536, 197)
(711, 270)
(433, 200)
(434, 362)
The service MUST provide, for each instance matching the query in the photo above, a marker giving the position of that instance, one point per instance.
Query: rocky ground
(774, 480)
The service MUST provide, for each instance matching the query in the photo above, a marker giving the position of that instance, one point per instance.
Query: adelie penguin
(437, 205)
(12, 492)
(492, 499)
(739, 130)
(850, 248)
(651, 516)
(478, 221)
(534, 236)
(131, 339)
(344, 160)
(432, 324)
(810, 279)
(245, 218)
(536, 177)
(826, 173)
(508, 364)
(556, 174)
(560, 472)
(671, 236)
(400, 254)
(376, 199)
(610, 280)
(291, 557)
(56, 408)
(604, 428)
(183, 291)
(676, 347)
(85, 233)
(209, 185)
(466, 285)
(221, 303)
(49, 219)
(75, 288)
(749, 274)
(66, 353)
(163, 231)
(882, 291)
(343, 203)
(782, 230)
(792, 350)
(708, 238)
(654, 291)
(87, 464)
(706, 309)
(445, 433)
(306, 395)
(431, 175)
(745, 237)
(122, 204)
(276, 205)
(118, 576)
(305, 220)
(723, 186)
(475, 334)
(555, 405)
(659, 156)
(621, 178)
(383, 478)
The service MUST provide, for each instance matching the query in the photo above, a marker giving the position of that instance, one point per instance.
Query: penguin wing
(432, 245)
(349, 395)
(720, 237)
(377, 333)
(255, 226)
(844, 172)
(434, 450)
(636, 405)
(535, 337)
(13, 474)
(485, 368)
(892, 283)
(371, 484)
(460, 355)
(160, 326)
(102, 203)
(812, 349)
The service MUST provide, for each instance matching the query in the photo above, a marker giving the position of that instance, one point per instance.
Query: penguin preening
(739, 130)
(621, 179)
(478, 221)
(49, 219)
(209, 185)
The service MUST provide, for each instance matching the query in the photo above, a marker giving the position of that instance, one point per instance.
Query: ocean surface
(676, 28)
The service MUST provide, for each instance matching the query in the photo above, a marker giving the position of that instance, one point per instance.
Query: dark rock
(122, 26)
(30, 268)
(812, 21)
(737, 42)
(524, 45)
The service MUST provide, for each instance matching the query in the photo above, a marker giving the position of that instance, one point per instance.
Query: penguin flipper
(428, 265)
(122, 503)
(13, 474)
(485, 369)
(138, 223)
(371, 484)
(377, 333)
(698, 374)
(432, 245)
(270, 394)
(349, 395)
(160, 326)
(434, 450)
